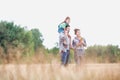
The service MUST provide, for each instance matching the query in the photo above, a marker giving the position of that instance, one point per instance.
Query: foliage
(12, 35)
(54, 50)
(16, 40)
(37, 38)
(98, 53)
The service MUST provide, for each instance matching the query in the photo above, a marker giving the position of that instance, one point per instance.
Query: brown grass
(54, 71)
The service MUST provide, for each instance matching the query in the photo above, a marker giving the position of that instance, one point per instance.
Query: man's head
(66, 30)
(68, 27)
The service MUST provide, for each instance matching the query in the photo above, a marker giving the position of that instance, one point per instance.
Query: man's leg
(64, 58)
(67, 57)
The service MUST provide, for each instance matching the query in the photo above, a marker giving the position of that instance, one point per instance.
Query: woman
(78, 44)
(64, 41)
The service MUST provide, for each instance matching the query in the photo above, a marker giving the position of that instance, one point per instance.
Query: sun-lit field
(57, 72)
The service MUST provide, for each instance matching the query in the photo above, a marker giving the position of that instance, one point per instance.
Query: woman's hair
(66, 18)
(75, 30)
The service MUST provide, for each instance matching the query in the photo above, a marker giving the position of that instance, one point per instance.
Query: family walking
(66, 43)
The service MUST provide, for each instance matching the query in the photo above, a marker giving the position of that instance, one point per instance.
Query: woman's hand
(79, 44)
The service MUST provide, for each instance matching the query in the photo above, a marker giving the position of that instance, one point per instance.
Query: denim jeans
(65, 57)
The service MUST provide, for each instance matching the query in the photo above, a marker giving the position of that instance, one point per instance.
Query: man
(64, 47)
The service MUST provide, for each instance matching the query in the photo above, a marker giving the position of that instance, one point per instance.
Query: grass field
(57, 72)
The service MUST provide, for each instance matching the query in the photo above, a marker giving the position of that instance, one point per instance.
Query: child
(78, 44)
(62, 25)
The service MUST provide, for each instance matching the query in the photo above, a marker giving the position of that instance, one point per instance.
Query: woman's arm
(83, 42)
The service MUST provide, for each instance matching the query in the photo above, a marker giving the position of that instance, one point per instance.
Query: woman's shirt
(76, 41)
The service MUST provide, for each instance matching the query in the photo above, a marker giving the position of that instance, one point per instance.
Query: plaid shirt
(63, 42)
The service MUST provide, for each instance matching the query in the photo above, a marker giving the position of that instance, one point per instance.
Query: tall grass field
(55, 71)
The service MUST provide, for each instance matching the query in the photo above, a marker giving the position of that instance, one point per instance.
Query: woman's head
(67, 20)
(77, 31)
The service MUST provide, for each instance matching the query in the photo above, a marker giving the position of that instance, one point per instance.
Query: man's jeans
(65, 57)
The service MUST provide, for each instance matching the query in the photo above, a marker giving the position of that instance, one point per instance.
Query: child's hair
(66, 18)
(75, 30)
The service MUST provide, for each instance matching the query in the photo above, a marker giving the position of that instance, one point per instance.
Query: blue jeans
(65, 57)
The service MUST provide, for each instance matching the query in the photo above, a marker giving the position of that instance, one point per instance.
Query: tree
(14, 35)
(37, 38)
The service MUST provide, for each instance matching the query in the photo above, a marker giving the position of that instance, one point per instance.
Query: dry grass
(54, 71)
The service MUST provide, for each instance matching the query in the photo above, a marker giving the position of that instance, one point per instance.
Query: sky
(98, 20)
